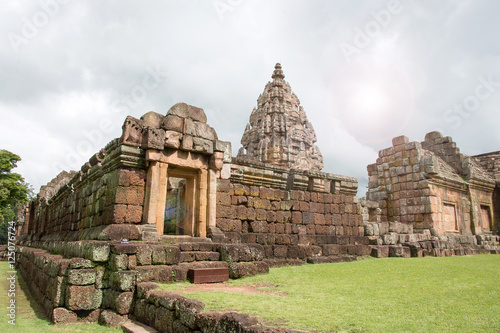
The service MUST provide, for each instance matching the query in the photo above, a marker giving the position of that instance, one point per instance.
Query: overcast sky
(364, 71)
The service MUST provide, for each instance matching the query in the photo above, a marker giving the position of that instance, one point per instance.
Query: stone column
(162, 198)
(190, 202)
(212, 198)
(156, 191)
(201, 230)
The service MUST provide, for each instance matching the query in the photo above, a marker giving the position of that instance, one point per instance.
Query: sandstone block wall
(168, 312)
(491, 163)
(67, 289)
(98, 280)
(432, 186)
(396, 183)
(104, 200)
(288, 224)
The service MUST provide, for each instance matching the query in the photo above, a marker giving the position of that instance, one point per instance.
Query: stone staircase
(206, 251)
(193, 248)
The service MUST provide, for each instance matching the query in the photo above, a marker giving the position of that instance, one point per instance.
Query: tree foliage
(14, 191)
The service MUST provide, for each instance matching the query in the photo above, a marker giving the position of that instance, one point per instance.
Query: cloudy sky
(364, 71)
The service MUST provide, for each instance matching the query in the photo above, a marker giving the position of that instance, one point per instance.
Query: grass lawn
(453, 294)
(30, 317)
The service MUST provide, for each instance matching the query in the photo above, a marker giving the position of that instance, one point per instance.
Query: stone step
(330, 259)
(178, 239)
(133, 326)
(190, 256)
(204, 247)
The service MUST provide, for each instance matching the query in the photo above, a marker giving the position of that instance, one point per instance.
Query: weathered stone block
(267, 193)
(173, 139)
(184, 110)
(159, 273)
(280, 251)
(118, 262)
(153, 138)
(131, 177)
(123, 280)
(131, 195)
(159, 257)
(172, 255)
(100, 282)
(75, 263)
(241, 252)
(308, 218)
(111, 319)
(152, 119)
(128, 248)
(117, 232)
(242, 269)
(201, 130)
(83, 297)
(81, 277)
(56, 289)
(144, 287)
(187, 309)
(63, 316)
(330, 249)
(173, 123)
(380, 251)
(399, 251)
(362, 250)
(123, 302)
(144, 255)
(203, 146)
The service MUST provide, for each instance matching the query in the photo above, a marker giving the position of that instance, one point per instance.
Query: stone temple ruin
(167, 198)
(431, 190)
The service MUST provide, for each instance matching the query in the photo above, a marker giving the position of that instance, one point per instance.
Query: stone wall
(104, 200)
(68, 289)
(491, 163)
(168, 312)
(76, 280)
(432, 186)
(295, 215)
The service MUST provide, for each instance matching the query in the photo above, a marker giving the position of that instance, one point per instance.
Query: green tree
(14, 191)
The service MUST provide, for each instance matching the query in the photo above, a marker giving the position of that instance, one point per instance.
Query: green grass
(30, 317)
(453, 294)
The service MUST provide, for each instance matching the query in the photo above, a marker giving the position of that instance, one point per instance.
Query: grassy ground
(30, 317)
(454, 294)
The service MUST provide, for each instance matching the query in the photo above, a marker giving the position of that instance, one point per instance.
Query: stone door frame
(202, 189)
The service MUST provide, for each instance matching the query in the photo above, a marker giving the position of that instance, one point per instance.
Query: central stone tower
(279, 132)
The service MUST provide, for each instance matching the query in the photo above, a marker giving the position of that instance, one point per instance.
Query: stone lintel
(179, 158)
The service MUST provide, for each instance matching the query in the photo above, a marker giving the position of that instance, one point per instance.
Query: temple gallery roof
(279, 132)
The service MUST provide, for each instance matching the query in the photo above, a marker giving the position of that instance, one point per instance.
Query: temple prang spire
(279, 132)
(278, 72)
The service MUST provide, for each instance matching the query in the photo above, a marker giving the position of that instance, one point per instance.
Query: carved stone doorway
(181, 202)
